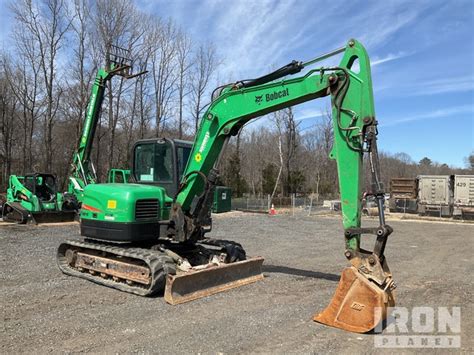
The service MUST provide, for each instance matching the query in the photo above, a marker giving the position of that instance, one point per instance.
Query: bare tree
(48, 25)
(183, 57)
(321, 171)
(280, 151)
(469, 161)
(116, 23)
(205, 64)
(140, 105)
(287, 136)
(144, 107)
(163, 71)
(80, 81)
(24, 81)
(24, 76)
(8, 106)
(76, 85)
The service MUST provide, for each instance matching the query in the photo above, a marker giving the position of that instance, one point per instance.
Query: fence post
(293, 204)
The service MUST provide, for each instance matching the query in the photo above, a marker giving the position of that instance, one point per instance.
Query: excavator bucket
(358, 304)
(194, 284)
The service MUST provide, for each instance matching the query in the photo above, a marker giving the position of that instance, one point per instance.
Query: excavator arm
(365, 290)
(82, 170)
(353, 117)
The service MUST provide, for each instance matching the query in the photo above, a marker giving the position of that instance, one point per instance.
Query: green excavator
(151, 237)
(34, 198)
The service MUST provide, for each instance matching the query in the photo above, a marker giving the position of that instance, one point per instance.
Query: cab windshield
(153, 162)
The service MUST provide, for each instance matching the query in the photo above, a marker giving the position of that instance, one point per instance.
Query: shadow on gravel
(299, 272)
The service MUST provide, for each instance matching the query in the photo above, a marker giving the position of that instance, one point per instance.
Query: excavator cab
(156, 169)
(160, 162)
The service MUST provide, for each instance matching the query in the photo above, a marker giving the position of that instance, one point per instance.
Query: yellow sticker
(112, 204)
(198, 157)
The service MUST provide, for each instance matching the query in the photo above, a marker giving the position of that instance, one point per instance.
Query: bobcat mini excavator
(145, 239)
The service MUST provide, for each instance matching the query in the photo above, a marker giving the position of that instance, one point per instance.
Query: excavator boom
(365, 286)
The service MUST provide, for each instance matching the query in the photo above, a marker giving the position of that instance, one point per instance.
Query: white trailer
(435, 195)
(463, 196)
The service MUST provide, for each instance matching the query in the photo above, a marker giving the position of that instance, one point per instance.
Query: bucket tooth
(194, 284)
(358, 304)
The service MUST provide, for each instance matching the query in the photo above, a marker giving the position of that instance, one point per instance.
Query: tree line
(284, 158)
(46, 74)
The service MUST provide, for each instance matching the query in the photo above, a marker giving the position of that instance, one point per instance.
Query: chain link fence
(285, 205)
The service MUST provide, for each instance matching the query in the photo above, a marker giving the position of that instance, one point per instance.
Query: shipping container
(463, 196)
(403, 195)
(435, 195)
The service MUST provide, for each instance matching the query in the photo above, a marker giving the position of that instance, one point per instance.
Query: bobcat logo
(357, 306)
(258, 99)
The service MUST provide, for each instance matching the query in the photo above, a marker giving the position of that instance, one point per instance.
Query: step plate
(192, 285)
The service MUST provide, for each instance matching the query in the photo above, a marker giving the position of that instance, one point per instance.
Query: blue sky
(423, 53)
(422, 56)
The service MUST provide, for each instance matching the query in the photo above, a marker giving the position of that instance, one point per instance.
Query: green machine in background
(222, 199)
(82, 171)
(34, 198)
(118, 176)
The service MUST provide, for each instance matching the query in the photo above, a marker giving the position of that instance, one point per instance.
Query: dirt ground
(46, 311)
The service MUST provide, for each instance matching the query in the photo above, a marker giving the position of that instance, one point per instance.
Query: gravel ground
(46, 311)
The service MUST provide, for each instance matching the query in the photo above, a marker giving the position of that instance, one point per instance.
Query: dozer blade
(358, 304)
(195, 284)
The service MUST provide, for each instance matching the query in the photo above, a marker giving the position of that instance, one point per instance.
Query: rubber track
(158, 262)
(19, 209)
